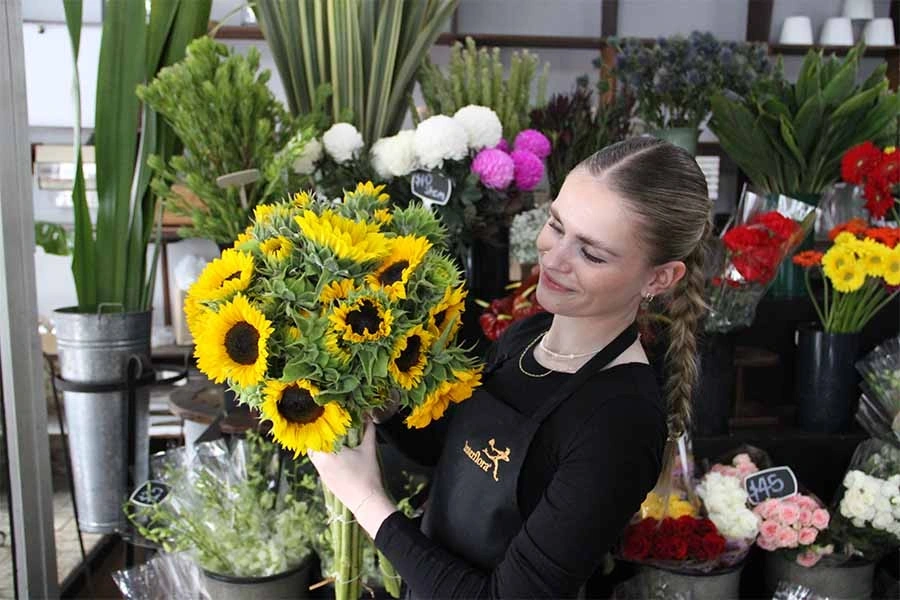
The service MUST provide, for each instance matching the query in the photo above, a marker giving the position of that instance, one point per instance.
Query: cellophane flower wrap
(746, 260)
(879, 403)
(866, 512)
(325, 311)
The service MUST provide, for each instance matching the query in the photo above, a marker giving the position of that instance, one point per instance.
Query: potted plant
(109, 259)
(675, 78)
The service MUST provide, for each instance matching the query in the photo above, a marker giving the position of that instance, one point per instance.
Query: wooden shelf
(802, 49)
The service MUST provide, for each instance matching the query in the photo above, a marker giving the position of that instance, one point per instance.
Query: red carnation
(859, 161)
(782, 227)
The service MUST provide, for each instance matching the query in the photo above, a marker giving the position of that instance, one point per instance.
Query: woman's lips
(552, 284)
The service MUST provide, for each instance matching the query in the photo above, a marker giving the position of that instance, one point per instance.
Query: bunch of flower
(752, 254)
(685, 542)
(867, 519)
(523, 234)
(879, 403)
(725, 499)
(794, 525)
(861, 272)
(675, 78)
(503, 312)
(878, 171)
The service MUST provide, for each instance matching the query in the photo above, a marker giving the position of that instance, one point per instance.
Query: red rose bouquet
(748, 259)
(685, 541)
(878, 172)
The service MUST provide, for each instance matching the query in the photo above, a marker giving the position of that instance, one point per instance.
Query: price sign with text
(150, 494)
(777, 482)
(431, 188)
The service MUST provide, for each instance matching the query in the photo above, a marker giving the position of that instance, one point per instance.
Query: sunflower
(370, 189)
(195, 314)
(383, 216)
(224, 276)
(302, 200)
(436, 403)
(293, 333)
(345, 237)
(244, 237)
(409, 357)
(892, 267)
(873, 256)
(265, 213)
(336, 290)
(278, 248)
(848, 278)
(363, 320)
(395, 270)
(299, 423)
(232, 344)
(337, 347)
(448, 309)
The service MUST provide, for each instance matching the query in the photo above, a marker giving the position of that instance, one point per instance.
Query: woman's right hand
(386, 412)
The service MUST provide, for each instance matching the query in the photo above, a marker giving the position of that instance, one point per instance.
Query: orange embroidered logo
(491, 453)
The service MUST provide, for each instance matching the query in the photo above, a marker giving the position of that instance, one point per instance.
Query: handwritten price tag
(431, 188)
(777, 482)
(150, 494)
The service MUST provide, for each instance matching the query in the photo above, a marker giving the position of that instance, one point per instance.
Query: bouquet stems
(346, 541)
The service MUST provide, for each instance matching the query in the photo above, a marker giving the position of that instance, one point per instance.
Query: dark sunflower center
(297, 406)
(393, 273)
(364, 319)
(410, 355)
(439, 318)
(235, 275)
(242, 343)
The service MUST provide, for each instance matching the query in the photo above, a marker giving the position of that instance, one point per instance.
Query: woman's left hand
(354, 477)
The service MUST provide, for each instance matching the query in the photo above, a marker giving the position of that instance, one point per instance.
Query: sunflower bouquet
(861, 271)
(325, 311)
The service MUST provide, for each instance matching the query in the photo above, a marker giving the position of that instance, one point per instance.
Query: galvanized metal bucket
(293, 584)
(662, 583)
(850, 580)
(96, 349)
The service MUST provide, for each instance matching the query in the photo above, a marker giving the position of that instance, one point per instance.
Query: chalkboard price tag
(150, 494)
(777, 482)
(431, 188)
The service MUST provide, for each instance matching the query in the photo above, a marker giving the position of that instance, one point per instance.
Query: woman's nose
(554, 257)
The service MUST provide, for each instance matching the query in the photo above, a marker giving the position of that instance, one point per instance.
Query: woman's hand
(354, 477)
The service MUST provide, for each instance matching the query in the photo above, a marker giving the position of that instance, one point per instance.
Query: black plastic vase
(825, 381)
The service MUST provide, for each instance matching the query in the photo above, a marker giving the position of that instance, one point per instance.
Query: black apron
(473, 508)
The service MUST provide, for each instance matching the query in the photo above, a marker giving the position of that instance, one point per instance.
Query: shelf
(802, 49)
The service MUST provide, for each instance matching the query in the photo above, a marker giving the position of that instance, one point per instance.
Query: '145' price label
(777, 482)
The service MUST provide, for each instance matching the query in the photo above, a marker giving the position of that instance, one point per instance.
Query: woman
(543, 467)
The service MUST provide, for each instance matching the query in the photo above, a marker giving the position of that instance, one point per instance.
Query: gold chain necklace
(522, 358)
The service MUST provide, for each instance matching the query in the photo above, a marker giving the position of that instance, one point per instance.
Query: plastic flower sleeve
(163, 577)
(879, 405)
(866, 510)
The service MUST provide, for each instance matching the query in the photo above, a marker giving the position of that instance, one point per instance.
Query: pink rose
(768, 509)
(787, 537)
(806, 502)
(808, 535)
(805, 517)
(788, 513)
(820, 518)
(808, 559)
(769, 529)
(744, 470)
(742, 458)
(767, 543)
(726, 470)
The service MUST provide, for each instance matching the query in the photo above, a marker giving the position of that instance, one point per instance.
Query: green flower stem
(813, 297)
(345, 558)
(828, 307)
(875, 311)
(871, 297)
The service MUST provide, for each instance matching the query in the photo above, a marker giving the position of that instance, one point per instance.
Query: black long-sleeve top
(586, 473)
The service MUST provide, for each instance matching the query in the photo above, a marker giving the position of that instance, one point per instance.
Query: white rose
(306, 162)
(394, 156)
(882, 520)
(437, 139)
(342, 142)
(888, 489)
(859, 523)
(482, 125)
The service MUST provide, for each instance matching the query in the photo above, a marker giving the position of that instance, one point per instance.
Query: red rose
(684, 525)
(705, 526)
(671, 548)
(781, 227)
(713, 545)
(859, 161)
(696, 549)
(636, 546)
(668, 528)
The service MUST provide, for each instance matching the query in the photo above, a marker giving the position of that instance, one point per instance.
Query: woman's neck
(580, 335)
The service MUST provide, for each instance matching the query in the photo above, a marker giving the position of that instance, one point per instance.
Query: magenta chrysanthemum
(533, 141)
(528, 169)
(503, 145)
(494, 168)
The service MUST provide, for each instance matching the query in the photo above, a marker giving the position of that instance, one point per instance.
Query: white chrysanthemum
(726, 502)
(482, 125)
(395, 156)
(306, 162)
(437, 139)
(342, 142)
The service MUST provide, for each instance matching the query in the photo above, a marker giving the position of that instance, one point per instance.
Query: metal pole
(22, 374)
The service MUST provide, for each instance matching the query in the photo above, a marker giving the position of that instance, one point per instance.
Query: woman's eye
(592, 258)
(555, 226)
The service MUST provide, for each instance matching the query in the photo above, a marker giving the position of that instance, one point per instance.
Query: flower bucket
(290, 584)
(825, 384)
(719, 584)
(850, 580)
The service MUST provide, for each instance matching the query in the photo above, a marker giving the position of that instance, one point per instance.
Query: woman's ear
(665, 277)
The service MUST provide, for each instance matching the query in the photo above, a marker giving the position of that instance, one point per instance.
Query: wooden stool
(744, 414)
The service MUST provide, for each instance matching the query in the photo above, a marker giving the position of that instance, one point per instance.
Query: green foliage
(476, 76)
(110, 261)
(53, 238)
(789, 137)
(220, 106)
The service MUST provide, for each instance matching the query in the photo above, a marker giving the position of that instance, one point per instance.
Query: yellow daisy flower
(892, 266)
(395, 270)
(232, 344)
(302, 200)
(835, 258)
(345, 237)
(336, 290)
(278, 248)
(849, 277)
(299, 423)
(224, 276)
(845, 238)
(436, 403)
(363, 320)
(873, 256)
(450, 307)
(409, 357)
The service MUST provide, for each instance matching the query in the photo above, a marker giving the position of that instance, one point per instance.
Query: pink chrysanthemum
(529, 169)
(503, 145)
(533, 141)
(494, 168)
